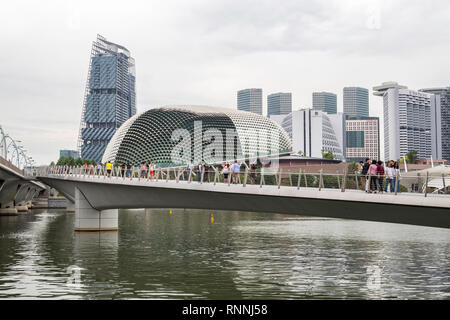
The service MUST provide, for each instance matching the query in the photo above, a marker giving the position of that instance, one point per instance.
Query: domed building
(176, 135)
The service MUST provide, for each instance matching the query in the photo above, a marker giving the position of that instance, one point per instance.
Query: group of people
(376, 177)
(231, 172)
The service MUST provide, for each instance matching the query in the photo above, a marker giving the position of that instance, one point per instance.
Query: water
(158, 255)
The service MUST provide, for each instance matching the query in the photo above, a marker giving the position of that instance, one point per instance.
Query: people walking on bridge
(206, 172)
(236, 170)
(109, 168)
(365, 172)
(397, 174)
(226, 172)
(373, 176)
(199, 172)
(390, 177)
(123, 168)
(99, 168)
(151, 170)
(253, 173)
(189, 169)
(143, 170)
(128, 169)
(380, 176)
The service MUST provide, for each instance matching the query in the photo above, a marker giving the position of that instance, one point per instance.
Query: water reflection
(183, 255)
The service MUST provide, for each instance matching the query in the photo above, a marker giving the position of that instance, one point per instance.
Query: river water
(183, 255)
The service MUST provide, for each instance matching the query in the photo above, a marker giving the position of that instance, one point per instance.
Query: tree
(327, 155)
(412, 156)
(353, 167)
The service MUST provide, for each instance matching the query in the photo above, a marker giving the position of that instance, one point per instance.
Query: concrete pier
(22, 208)
(70, 206)
(88, 218)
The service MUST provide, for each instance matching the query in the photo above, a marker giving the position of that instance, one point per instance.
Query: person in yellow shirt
(108, 168)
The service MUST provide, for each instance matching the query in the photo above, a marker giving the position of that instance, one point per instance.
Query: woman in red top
(380, 174)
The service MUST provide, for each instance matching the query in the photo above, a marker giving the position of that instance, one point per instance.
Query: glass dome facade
(151, 136)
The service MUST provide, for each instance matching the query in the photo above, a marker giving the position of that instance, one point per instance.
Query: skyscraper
(325, 102)
(250, 100)
(444, 94)
(412, 122)
(356, 102)
(279, 103)
(110, 97)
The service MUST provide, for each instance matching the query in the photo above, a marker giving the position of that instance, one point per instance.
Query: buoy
(212, 218)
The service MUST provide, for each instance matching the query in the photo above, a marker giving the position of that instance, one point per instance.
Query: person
(108, 168)
(253, 173)
(123, 168)
(226, 172)
(380, 176)
(206, 173)
(373, 176)
(152, 170)
(236, 170)
(99, 168)
(390, 177)
(199, 172)
(190, 168)
(364, 173)
(397, 173)
(128, 169)
(143, 170)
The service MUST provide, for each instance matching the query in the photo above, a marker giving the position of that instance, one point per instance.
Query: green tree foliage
(353, 167)
(412, 156)
(69, 161)
(328, 155)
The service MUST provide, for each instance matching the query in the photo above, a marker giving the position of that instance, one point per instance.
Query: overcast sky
(202, 51)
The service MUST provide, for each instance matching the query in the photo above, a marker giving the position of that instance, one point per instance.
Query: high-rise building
(356, 102)
(110, 97)
(69, 154)
(444, 94)
(313, 131)
(250, 100)
(325, 102)
(362, 138)
(379, 91)
(412, 122)
(279, 103)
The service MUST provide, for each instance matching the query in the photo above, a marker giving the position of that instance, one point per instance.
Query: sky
(203, 51)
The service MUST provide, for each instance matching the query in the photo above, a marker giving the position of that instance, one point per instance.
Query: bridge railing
(280, 177)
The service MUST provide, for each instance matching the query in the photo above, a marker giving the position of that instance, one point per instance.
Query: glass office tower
(110, 97)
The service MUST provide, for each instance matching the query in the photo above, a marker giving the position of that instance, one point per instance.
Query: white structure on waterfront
(412, 121)
(312, 131)
(250, 100)
(176, 135)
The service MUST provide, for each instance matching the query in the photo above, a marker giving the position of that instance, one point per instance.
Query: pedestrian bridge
(98, 197)
(16, 189)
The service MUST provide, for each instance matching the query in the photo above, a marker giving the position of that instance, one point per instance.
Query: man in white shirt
(235, 169)
(390, 176)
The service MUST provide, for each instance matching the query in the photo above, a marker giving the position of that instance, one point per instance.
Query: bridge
(98, 196)
(17, 189)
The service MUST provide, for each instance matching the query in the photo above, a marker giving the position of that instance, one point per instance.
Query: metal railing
(280, 177)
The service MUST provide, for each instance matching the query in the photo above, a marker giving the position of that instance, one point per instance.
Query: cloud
(202, 52)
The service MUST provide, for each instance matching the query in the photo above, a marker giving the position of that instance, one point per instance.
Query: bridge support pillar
(70, 206)
(88, 218)
(8, 209)
(22, 208)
